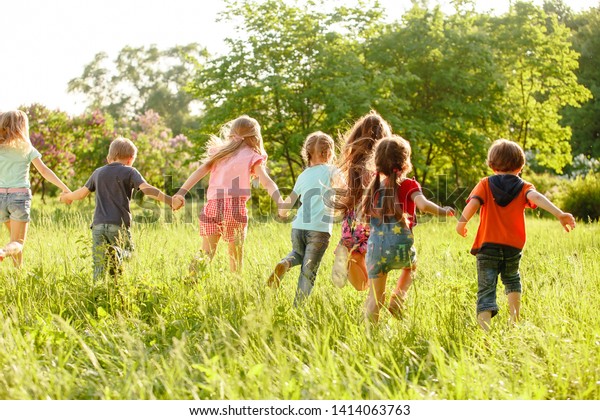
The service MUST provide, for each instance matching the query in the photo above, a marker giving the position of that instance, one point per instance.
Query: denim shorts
(491, 263)
(387, 251)
(15, 206)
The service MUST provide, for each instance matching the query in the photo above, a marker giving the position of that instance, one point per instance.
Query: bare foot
(275, 278)
(397, 306)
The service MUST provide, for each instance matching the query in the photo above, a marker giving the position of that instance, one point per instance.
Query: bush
(581, 197)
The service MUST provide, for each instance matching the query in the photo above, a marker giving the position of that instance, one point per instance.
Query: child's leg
(511, 278)
(484, 319)
(399, 294)
(488, 267)
(316, 245)
(18, 233)
(293, 259)
(376, 297)
(236, 254)
(99, 244)
(209, 245)
(357, 271)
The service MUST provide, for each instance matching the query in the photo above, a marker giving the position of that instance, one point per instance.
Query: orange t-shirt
(501, 225)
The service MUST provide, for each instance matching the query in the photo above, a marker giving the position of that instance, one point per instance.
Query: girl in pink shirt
(231, 159)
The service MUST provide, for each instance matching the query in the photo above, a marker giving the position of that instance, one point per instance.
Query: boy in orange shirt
(500, 237)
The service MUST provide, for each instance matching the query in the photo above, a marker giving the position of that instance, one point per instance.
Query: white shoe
(339, 274)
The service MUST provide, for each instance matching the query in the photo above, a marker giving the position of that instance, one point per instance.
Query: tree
(539, 80)
(294, 68)
(140, 79)
(438, 88)
(585, 121)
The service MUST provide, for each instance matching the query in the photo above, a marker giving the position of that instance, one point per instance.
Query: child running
(311, 229)
(232, 160)
(16, 155)
(114, 185)
(500, 238)
(358, 146)
(390, 204)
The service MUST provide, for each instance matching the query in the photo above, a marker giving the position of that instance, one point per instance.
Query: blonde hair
(505, 156)
(14, 128)
(318, 144)
(120, 149)
(234, 134)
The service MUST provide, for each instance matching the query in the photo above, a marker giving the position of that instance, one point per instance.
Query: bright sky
(46, 43)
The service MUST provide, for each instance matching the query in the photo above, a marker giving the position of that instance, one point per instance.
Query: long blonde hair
(355, 159)
(234, 134)
(14, 128)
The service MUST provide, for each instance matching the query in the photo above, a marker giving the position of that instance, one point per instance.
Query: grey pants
(111, 245)
(308, 248)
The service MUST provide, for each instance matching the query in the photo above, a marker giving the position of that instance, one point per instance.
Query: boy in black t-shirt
(114, 185)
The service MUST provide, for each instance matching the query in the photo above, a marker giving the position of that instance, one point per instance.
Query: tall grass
(159, 334)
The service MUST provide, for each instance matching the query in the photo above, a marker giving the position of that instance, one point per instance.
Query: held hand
(461, 229)
(567, 221)
(63, 198)
(177, 202)
(283, 213)
(447, 211)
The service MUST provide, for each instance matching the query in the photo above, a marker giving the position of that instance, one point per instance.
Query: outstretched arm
(566, 219)
(193, 179)
(468, 212)
(266, 181)
(49, 175)
(155, 193)
(426, 206)
(79, 194)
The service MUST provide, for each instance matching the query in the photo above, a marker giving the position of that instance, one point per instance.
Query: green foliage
(158, 334)
(142, 79)
(581, 197)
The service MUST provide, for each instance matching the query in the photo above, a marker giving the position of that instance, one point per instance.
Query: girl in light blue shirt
(311, 229)
(16, 155)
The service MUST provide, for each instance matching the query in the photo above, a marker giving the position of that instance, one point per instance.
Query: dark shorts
(492, 262)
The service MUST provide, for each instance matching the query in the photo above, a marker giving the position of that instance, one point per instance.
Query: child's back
(312, 185)
(114, 185)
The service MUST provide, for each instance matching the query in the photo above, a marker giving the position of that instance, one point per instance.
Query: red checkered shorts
(226, 217)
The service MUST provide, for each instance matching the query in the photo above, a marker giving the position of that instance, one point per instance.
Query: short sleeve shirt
(14, 166)
(114, 185)
(500, 225)
(312, 186)
(231, 176)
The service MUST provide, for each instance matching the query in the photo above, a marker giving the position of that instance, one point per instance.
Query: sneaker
(274, 279)
(339, 273)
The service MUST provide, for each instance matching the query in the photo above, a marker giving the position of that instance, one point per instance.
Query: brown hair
(505, 156)
(318, 144)
(357, 149)
(14, 128)
(120, 149)
(392, 159)
(242, 130)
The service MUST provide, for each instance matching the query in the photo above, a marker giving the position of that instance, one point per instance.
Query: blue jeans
(308, 248)
(111, 244)
(490, 263)
(15, 206)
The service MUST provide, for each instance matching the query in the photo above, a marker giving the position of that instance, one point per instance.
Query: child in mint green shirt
(16, 156)
(311, 229)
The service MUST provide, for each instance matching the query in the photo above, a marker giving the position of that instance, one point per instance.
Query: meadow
(160, 334)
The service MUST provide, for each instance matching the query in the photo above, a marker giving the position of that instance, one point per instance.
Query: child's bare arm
(287, 204)
(471, 208)
(566, 219)
(156, 194)
(426, 206)
(49, 174)
(266, 181)
(78, 194)
(193, 179)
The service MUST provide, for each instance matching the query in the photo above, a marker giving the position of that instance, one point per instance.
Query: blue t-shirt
(313, 185)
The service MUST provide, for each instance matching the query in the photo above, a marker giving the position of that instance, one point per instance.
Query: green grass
(156, 335)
